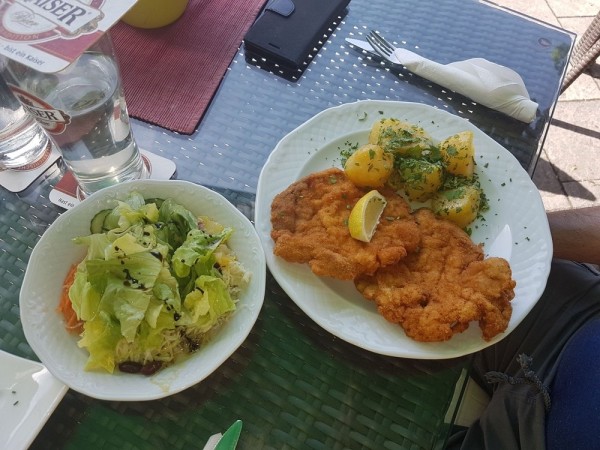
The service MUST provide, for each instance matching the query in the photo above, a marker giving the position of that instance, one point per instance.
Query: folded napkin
(483, 81)
(170, 74)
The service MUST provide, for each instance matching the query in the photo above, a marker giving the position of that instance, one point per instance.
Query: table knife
(362, 45)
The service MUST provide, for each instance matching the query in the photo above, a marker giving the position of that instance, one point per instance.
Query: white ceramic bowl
(55, 253)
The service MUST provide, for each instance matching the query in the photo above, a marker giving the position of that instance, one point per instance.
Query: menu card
(48, 35)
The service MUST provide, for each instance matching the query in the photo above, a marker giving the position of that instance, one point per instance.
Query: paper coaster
(18, 179)
(66, 192)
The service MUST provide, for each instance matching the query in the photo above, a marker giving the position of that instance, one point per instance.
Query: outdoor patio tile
(537, 9)
(572, 8)
(551, 190)
(573, 142)
(582, 194)
(585, 87)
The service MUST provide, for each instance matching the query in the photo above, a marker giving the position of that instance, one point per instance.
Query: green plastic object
(230, 437)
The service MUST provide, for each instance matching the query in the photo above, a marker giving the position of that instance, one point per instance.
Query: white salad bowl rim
(55, 253)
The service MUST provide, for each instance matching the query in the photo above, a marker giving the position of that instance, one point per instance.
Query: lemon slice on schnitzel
(365, 215)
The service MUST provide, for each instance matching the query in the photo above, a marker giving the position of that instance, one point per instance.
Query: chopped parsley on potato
(405, 157)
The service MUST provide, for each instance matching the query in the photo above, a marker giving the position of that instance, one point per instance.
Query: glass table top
(293, 384)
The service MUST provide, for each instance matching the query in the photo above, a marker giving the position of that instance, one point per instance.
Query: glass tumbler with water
(22, 140)
(83, 109)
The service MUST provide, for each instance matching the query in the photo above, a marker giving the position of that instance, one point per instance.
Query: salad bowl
(56, 252)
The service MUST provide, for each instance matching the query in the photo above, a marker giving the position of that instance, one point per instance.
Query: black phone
(288, 33)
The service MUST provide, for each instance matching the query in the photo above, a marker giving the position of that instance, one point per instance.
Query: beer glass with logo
(22, 140)
(83, 109)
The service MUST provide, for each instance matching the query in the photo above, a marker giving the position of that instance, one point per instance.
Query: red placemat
(170, 74)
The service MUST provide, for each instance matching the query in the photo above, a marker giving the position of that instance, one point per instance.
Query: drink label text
(71, 16)
(48, 35)
(53, 120)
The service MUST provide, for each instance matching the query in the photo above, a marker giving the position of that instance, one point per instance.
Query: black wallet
(289, 32)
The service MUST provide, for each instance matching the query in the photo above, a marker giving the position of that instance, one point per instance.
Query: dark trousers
(539, 375)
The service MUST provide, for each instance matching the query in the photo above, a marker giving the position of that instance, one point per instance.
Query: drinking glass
(22, 140)
(83, 109)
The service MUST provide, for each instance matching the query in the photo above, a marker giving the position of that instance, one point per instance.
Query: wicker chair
(585, 53)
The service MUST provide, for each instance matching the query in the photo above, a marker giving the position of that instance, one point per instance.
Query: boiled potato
(401, 138)
(369, 166)
(458, 154)
(460, 205)
(418, 178)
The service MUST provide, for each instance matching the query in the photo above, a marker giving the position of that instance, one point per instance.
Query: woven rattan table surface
(293, 384)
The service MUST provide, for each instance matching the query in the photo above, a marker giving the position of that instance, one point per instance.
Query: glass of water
(22, 141)
(83, 109)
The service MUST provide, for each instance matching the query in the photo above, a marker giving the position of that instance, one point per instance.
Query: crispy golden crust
(310, 225)
(437, 290)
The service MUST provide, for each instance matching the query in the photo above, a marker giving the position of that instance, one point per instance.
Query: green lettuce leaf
(96, 244)
(208, 302)
(100, 337)
(152, 272)
(84, 298)
(127, 305)
(197, 252)
(176, 221)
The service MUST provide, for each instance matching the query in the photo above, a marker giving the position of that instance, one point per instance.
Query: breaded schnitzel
(437, 290)
(310, 225)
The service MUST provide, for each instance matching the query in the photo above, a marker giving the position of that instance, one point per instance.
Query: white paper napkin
(483, 81)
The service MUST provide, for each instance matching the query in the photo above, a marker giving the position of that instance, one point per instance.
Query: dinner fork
(382, 46)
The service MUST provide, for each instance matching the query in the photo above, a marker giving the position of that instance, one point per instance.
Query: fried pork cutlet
(310, 225)
(436, 291)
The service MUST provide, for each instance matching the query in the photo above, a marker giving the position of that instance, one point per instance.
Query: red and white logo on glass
(53, 120)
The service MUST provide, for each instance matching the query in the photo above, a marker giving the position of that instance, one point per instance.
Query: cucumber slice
(97, 223)
(111, 220)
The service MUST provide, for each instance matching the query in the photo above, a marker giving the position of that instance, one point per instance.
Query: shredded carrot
(73, 324)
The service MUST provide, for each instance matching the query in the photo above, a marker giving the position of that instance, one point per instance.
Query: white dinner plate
(55, 253)
(515, 227)
(28, 396)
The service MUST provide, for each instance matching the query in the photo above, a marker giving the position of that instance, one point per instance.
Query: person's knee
(574, 417)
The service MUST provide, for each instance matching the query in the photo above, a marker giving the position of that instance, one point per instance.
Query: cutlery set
(485, 82)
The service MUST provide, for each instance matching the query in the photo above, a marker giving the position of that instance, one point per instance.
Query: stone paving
(568, 172)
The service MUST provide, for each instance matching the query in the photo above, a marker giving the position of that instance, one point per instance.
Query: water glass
(22, 140)
(83, 109)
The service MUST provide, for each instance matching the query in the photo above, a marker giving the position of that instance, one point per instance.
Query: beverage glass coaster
(20, 178)
(66, 192)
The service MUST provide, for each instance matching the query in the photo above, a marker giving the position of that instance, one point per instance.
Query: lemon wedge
(365, 215)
